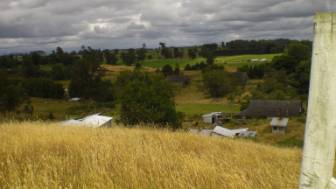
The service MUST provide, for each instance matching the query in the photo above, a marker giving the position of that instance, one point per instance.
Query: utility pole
(320, 134)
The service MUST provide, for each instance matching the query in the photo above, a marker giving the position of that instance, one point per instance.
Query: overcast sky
(46, 24)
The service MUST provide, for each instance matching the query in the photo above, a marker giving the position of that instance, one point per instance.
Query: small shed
(279, 125)
(213, 118)
(93, 121)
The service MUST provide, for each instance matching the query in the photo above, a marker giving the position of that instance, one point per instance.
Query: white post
(320, 136)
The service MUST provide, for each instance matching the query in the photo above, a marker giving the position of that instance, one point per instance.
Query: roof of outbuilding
(272, 108)
(95, 120)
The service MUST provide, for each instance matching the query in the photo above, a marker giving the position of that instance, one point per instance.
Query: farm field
(239, 60)
(182, 62)
(191, 109)
(41, 155)
(242, 60)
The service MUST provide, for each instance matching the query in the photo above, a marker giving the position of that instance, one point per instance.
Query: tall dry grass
(39, 155)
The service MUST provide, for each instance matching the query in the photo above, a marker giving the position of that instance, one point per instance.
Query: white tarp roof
(281, 122)
(94, 121)
(227, 132)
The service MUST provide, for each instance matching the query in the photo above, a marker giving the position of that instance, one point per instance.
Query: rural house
(278, 110)
(93, 121)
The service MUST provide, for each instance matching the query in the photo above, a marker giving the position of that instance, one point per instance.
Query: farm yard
(167, 94)
(115, 114)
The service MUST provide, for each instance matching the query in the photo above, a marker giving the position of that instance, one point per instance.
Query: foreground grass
(37, 155)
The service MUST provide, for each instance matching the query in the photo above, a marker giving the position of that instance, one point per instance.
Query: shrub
(167, 70)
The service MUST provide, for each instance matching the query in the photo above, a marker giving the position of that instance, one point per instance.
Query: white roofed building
(93, 121)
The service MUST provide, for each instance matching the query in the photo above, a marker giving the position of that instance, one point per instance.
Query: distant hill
(41, 155)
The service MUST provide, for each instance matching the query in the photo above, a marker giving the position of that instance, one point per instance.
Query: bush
(147, 99)
(43, 88)
(11, 94)
(167, 70)
(254, 72)
(60, 72)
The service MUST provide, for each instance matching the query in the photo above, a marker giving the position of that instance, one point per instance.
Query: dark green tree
(148, 99)
(167, 70)
(129, 57)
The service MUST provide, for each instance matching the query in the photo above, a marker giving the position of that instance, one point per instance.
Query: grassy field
(242, 60)
(236, 61)
(40, 155)
(159, 63)
(63, 109)
(199, 109)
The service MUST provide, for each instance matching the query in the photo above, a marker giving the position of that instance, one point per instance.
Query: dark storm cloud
(45, 24)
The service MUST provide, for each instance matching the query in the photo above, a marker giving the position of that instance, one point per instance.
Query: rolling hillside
(41, 155)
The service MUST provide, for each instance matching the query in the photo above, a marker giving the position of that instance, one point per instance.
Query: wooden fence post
(320, 135)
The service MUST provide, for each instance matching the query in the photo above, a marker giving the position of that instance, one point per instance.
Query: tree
(44, 88)
(129, 57)
(141, 53)
(11, 94)
(60, 72)
(208, 51)
(192, 53)
(165, 52)
(167, 70)
(86, 81)
(178, 53)
(148, 99)
(111, 58)
(177, 69)
(299, 51)
(219, 83)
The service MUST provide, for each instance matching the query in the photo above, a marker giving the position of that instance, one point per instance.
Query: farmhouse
(278, 110)
(213, 118)
(93, 121)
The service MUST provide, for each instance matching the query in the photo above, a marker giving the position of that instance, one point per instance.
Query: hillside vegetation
(40, 155)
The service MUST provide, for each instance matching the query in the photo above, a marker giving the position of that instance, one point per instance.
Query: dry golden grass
(39, 155)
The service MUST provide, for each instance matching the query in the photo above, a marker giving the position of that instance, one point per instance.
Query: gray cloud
(44, 24)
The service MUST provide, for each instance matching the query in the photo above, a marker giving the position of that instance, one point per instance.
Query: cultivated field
(40, 155)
